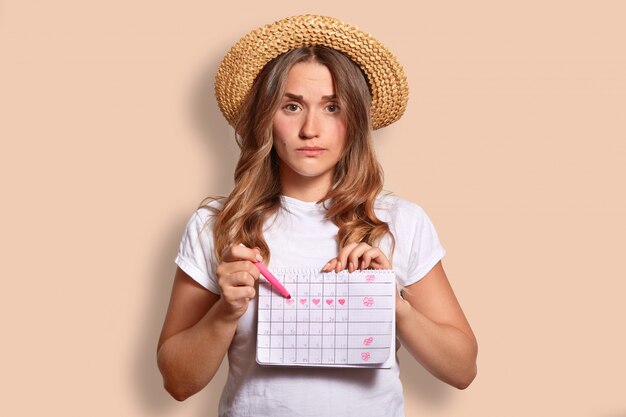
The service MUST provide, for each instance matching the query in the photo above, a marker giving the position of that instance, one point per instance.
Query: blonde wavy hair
(357, 179)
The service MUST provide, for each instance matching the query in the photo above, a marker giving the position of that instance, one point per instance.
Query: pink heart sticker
(329, 301)
(365, 356)
(303, 301)
(316, 301)
(341, 301)
(290, 301)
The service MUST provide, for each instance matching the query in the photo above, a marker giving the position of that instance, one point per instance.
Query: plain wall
(514, 142)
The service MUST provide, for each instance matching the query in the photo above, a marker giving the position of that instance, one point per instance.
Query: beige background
(514, 142)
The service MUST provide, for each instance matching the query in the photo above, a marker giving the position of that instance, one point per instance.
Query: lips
(310, 150)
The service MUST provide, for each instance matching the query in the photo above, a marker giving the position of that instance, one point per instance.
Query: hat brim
(244, 61)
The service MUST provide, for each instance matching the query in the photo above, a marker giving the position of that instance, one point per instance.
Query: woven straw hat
(247, 57)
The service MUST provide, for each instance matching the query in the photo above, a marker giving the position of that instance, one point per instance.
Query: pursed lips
(310, 150)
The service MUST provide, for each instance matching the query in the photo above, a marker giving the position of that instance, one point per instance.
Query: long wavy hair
(357, 179)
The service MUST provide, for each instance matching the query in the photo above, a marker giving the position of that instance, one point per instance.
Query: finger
(366, 259)
(330, 265)
(381, 262)
(375, 258)
(240, 252)
(237, 279)
(256, 252)
(228, 268)
(237, 295)
(342, 257)
(245, 275)
(356, 254)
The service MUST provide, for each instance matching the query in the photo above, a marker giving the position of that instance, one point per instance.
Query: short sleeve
(426, 250)
(418, 248)
(195, 253)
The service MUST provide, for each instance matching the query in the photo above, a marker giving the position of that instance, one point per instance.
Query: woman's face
(309, 128)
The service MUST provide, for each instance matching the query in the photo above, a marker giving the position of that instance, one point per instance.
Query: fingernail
(338, 267)
(259, 257)
(350, 266)
(325, 268)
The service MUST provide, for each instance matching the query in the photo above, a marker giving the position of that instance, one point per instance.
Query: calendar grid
(332, 319)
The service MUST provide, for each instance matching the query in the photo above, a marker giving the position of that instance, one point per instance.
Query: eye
(333, 108)
(292, 107)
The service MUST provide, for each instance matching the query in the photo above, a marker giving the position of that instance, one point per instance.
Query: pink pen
(272, 279)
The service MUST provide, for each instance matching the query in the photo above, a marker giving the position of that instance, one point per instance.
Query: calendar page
(332, 319)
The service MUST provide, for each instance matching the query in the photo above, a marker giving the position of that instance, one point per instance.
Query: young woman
(307, 194)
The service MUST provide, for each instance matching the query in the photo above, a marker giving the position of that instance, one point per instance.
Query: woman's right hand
(236, 276)
(200, 325)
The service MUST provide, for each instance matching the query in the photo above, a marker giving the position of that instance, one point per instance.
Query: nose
(309, 127)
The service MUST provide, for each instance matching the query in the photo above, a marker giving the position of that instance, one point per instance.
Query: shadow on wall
(151, 394)
(419, 385)
(218, 137)
(215, 133)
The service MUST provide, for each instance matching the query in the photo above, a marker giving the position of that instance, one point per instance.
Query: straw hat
(247, 57)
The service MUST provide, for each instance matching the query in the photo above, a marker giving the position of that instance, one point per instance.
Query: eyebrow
(297, 97)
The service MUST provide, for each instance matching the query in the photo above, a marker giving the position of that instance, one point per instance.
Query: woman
(307, 194)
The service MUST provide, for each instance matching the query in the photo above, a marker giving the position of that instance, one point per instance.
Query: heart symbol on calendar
(341, 301)
(370, 278)
(365, 356)
(329, 301)
(316, 301)
(368, 341)
(368, 301)
(303, 301)
(290, 301)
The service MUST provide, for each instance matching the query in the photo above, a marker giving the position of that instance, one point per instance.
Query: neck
(303, 188)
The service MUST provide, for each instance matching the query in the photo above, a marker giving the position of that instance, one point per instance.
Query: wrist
(225, 314)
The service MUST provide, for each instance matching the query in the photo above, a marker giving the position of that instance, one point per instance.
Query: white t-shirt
(298, 236)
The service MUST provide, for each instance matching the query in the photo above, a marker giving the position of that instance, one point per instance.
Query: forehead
(311, 77)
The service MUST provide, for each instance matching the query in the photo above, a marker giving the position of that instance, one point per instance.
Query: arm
(433, 328)
(200, 325)
(429, 319)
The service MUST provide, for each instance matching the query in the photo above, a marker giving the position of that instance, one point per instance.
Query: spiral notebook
(331, 320)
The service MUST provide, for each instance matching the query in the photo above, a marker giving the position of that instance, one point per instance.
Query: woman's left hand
(358, 256)
(362, 256)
